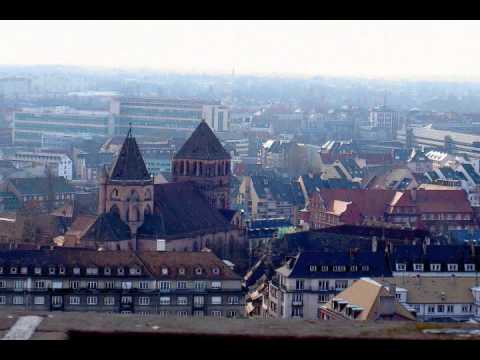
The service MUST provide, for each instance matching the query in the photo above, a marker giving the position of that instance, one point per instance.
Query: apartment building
(32, 126)
(309, 280)
(152, 116)
(61, 164)
(170, 284)
(267, 197)
(447, 298)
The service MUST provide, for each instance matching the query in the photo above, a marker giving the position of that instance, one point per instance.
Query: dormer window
(136, 271)
(38, 271)
(313, 268)
(23, 270)
(469, 267)
(51, 270)
(198, 271)
(13, 270)
(120, 271)
(92, 271)
(61, 270)
(365, 267)
(417, 267)
(324, 268)
(338, 268)
(107, 271)
(435, 267)
(76, 270)
(181, 271)
(164, 271)
(216, 271)
(1, 270)
(353, 268)
(452, 267)
(401, 267)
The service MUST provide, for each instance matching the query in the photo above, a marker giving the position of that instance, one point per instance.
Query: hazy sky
(351, 48)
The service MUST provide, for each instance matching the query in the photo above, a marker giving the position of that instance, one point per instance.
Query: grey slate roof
(129, 164)
(202, 145)
(180, 209)
(108, 227)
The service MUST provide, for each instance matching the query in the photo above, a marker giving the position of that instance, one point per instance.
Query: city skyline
(372, 49)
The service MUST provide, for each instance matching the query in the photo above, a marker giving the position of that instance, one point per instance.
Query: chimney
(374, 244)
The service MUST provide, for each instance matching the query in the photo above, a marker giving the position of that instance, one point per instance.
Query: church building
(189, 214)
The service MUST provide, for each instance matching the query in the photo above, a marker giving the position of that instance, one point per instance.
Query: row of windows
(52, 270)
(93, 284)
(110, 300)
(61, 270)
(446, 308)
(323, 284)
(435, 267)
(338, 268)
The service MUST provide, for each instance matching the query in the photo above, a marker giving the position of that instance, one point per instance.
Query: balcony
(297, 302)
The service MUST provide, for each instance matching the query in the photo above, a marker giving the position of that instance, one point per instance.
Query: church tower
(128, 189)
(204, 161)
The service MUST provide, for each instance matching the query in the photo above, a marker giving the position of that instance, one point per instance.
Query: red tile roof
(370, 202)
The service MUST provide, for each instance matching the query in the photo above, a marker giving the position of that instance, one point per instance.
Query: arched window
(115, 210)
(114, 194)
(135, 214)
(148, 194)
(134, 196)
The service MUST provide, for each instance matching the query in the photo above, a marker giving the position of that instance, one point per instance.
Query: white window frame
(401, 267)
(164, 300)
(24, 270)
(76, 270)
(435, 267)
(182, 300)
(92, 271)
(216, 300)
(418, 267)
(107, 271)
(164, 285)
(216, 313)
(109, 300)
(3, 300)
(93, 284)
(92, 300)
(181, 284)
(144, 300)
(216, 284)
(74, 284)
(469, 267)
(144, 285)
(37, 301)
(452, 267)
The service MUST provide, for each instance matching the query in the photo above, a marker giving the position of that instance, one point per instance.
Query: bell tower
(204, 161)
(128, 189)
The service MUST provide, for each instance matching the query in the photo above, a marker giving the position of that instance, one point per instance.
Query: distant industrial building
(152, 116)
(36, 126)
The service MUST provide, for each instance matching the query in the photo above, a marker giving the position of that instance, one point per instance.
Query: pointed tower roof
(129, 164)
(202, 145)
